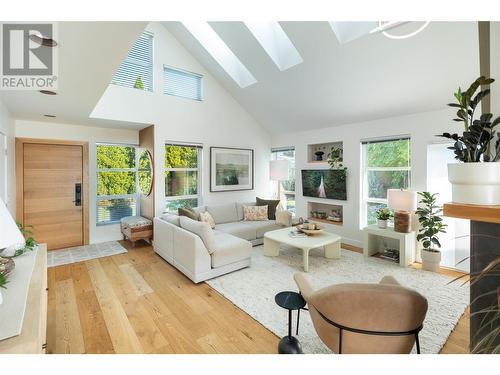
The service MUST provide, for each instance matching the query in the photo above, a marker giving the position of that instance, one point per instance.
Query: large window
(386, 165)
(182, 176)
(137, 69)
(287, 187)
(182, 83)
(116, 183)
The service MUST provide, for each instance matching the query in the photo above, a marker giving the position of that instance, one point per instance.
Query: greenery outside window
(182, 176)
(116, 183)
(286, 153)
(386, 164)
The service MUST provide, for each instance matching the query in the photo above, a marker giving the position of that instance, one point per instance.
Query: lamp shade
(278, 170)
(402, 200)
(9, 232)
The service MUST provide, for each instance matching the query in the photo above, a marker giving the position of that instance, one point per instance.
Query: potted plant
(383, 214)
(3, 282)
(29, 244)
(431, 224)
(476, 180)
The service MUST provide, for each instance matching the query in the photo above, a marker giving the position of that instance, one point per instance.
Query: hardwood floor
(137, 303)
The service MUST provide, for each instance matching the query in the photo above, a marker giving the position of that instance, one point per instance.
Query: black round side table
(290, 301)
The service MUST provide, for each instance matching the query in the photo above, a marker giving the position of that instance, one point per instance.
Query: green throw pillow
(189, 212)
(271, 204)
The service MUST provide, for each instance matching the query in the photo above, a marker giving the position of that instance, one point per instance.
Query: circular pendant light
(404, 36)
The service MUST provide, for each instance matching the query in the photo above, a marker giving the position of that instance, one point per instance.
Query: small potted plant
(476, 180)
(383, 214)
(431, 224)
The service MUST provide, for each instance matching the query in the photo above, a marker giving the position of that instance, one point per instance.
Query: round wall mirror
(146, 172)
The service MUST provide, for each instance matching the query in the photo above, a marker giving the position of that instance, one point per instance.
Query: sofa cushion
(188, 212)
(199, 209)
(223, 213)
(230, 249)
(207, 218)
(271, 206)
(261, 227)
(201, 229)
(171, 218)
(238, 229)
(239, 208)
(255, 213)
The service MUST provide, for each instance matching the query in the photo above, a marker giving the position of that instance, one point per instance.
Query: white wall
(92, 135)
(216, 121)
(7, 128)
(422, 129)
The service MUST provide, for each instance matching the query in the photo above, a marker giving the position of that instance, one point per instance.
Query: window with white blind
(181, 83)
(287, 187)
(182, 176)
(117, 193)
(137, 69)
(386, 165)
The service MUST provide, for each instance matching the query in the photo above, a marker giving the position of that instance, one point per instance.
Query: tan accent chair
(365, 318)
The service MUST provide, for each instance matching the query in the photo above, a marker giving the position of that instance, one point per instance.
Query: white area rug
(81, 253)
(253, 290)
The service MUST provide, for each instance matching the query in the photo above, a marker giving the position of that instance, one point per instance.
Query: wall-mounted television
(325, 183)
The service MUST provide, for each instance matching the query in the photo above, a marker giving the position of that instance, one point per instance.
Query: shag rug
(81, 253)
(253, 290)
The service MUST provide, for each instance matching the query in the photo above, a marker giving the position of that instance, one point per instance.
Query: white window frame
(274, 156)
(365, 199)
(187, 72)
(173, 198)
(121, 196)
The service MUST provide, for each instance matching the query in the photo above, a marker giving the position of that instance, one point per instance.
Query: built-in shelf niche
(325, 213)
(321, 147)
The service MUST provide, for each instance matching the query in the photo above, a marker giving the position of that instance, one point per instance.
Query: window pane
(290, 202)
(371, 211)
(181, 157)
(115, 183)
(109, 156)
(181, 183)
(380, 181)
(289, 185)
(112, 210)
(172, 206)
(389, 154)
(145, 181)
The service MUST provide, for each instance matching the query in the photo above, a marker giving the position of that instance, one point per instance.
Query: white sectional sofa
(202, 254)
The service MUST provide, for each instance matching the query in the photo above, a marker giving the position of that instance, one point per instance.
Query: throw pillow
(284, 218)
(271, 204)
(201, 229)
(255, 213)
(189, 212)
(207, 218)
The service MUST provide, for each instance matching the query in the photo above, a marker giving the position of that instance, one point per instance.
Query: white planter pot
(431, 260)
(475, 183)
(382, 224)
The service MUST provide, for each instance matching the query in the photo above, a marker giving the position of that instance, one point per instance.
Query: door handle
(78, 194)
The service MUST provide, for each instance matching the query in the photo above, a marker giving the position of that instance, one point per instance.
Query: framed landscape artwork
(231, 169)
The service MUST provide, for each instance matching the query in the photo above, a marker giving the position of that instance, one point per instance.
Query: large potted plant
(476, 180)
(431, 224)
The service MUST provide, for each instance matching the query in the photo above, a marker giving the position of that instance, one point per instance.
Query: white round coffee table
(330, 241)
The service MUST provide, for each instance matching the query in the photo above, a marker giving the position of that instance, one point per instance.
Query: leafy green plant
(431, 222)
(335, 158)
(138, 83)
(384, 213)
(474, 145)
(3, 281)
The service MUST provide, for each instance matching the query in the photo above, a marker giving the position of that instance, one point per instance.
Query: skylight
(276, 43)
(219, 50)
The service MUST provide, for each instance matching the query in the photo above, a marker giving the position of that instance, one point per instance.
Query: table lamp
(9, 232)
(403, 202)
(278, 171)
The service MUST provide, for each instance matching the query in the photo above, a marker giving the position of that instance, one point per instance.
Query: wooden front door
(51, 173)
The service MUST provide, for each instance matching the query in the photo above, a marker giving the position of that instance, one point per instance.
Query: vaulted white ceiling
(369, 77)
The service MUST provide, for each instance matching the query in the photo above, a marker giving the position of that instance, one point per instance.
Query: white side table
(407, 243)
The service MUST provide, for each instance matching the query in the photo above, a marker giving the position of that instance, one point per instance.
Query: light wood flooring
(137, 303)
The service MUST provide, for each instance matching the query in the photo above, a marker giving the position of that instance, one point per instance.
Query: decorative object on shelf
(336, 158)
(319, 155)
(325, 183)
(403, 202)
(278, 171)
(477, 179)
(9, 236)
(231, 169)
(431, 224)
(6, 266)
(383, 215)
(390, 254)
(145, 173)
